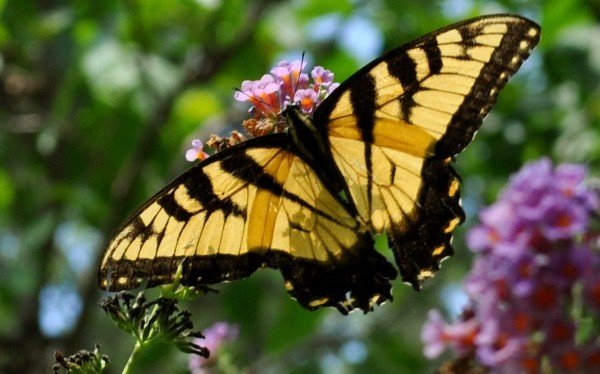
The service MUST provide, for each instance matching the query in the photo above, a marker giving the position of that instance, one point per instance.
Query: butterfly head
(295, 117)
(290, 110)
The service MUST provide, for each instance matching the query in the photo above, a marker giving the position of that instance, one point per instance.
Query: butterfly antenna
(299, 74)
(257, 99)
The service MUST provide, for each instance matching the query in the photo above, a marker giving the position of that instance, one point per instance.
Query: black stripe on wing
(363, 97)
(504, 63)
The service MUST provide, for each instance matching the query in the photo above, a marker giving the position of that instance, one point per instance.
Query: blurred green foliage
(99, 101)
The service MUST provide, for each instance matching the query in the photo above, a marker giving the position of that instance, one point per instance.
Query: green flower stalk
(151, 322)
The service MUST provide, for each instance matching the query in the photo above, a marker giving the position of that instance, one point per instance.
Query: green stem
(140, 344)
(134, 355)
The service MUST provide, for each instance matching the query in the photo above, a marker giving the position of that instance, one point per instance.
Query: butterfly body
(311, 142)
(375, 157)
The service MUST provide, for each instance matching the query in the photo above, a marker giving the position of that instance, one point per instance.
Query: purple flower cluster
(535, 283)
(285, 85)
(215, 337)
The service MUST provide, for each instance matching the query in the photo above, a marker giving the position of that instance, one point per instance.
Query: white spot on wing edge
(532, 33)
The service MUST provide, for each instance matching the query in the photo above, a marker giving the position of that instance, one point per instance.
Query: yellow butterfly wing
(394, 126)
(253, 205)
(384, 164)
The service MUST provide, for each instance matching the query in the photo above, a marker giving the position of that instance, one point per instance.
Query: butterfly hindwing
(394, 126)
(257, 204)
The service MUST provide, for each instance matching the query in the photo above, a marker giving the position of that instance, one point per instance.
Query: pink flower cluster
(285, 85)
(535, 284)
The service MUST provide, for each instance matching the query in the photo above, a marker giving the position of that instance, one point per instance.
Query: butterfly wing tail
(419, 251)
(359, 279)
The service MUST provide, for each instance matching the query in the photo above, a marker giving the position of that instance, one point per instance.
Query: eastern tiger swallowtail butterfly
(375, 157)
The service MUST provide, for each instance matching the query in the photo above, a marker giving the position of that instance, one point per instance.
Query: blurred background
(100, 100)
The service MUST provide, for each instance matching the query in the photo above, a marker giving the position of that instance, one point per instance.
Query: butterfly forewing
(394, 127)
(254, 205)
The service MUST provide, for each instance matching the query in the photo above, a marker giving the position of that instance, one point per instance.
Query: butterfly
(375, 157)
